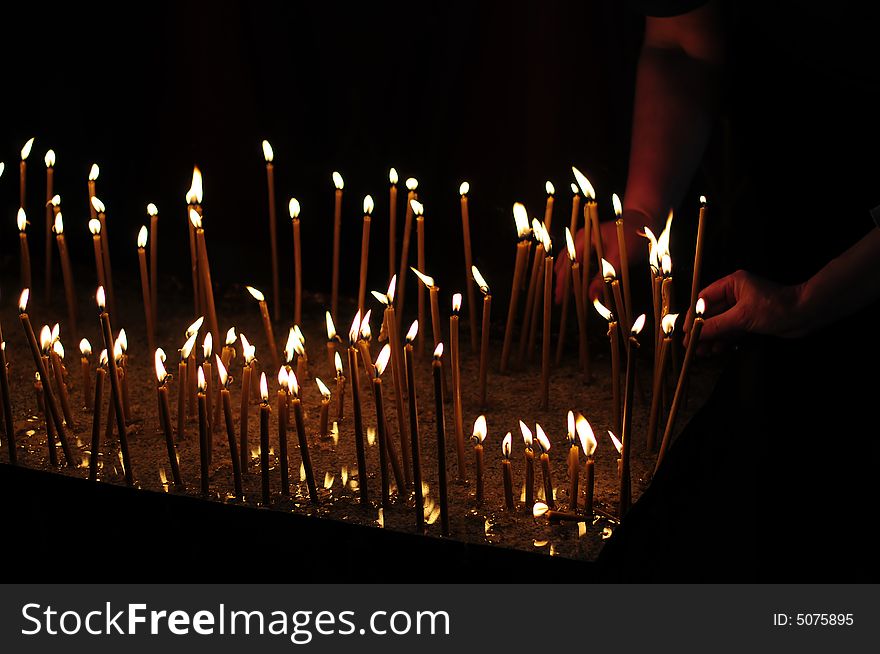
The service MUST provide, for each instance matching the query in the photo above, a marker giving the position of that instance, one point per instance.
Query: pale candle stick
(588, 445)
(484, 335)
(698, 252)
(22, 181)
(626, 432)
(145, 287)
(392, 222)
(548, 207)
(468, 263)
(95, 229)
(267, 325)
(94, 171)
(294, 210)
(66, 272)
(456, 386)
(365, 252)
(50, 216)
(25, 253)
(269, 156)
(419, 211)
(521, 218)
(337, 227)
(101, 210)
(624, 258)
(411, 184)
(153, 213)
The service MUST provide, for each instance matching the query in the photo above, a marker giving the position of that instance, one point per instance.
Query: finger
(720, 295)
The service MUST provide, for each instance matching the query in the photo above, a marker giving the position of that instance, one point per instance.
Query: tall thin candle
(414, 425)
(269, 156)
(522, 253)
(50, 219)
(468, 263)
(115, 390)
(66, 273)
(626, 432)
(480, 281)
(95, 450)
(337, 227)
(392, 222)
(356, 410)
(153, 212)
(437, 367)
(294, 210)
(302, 437)
(456, 386)
(25, 258)
(225, 399)
(479, 435)
(165, 414)
(145, 287)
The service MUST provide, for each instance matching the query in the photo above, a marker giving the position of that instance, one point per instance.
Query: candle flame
(142, 237)
(366, 332)
(159, 361)
(21, 219)
(94, 171)
(663, 239)
(368, 204)
(2, 168)
(293, 208)
(49, 158)
(292, 383)
(608, 271)
(382, 360)
(152, 210)
(584, 183)
(264, 388)
(571, 428)
(616, 442)
(188, 346)
(666, 265)
(299, 334)
(56, 332)
(203, 385)
(505, 445)
(222, 373)
(45, 339)
(26, 150)
(283, 378)
(195, 218)
(101, 298)
(413, 331)
(548, 186)
(325, 392)
(58, 349)
(480, 429)
(195, 326)
(392, 289)
(480, 280)
(338, 182)
(97, 204)
(268, 154)
(85, 347)
(521, 219)
(381, 297)
(103, 360)
(546, 241)
(539, 509)
(58, 227)
(569, 246)
(438, 351)
(464, 188)
(638, 325)
(55, 201)
(543, 441)
(603, 310)
(615, 201)
(95, 226)
(574, 188)
(298, 345)
(208, 347)
(338, 361)
(703, 200)
(700, 307)
(257, 295)
(331, 328)
(417, 207)
(425, 279)
(392, 175)
(668, 323)
(538, 231)
(355, 327)
(194, 195)
(117, 351)
(456, 302)
(586, 436)
(526, 434)
(412, 183)
(653, 250)
(247, 350)
(123, 340)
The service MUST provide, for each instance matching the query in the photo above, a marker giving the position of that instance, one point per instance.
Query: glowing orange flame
(539, 509)
(616, 442)
(584, 183)
(94, 171)
(521, 219)
(586, 436)
(338, 361)
(194, 195)
(103, 360)
(368, 204)
(615, 201)
(505, 445)
(480, 429)
(49, 159)
(603, 310)
(45, 339)
(159, 360)
(355, 328)
(95, 226)
(543, 441)
(569, 246)
(293, 208)
(331, 328)
(26, 149)
(85, 347)
(325, 392)
(392, 176)
(264, 387)
(700, 307)
(208, 346)
(152, 210)
(21, 219)
(222, 373)
(268, 154)
(608, 271)
(100, 298)
(425, 279)
(283, 378)
(638, 325)
(413, 331)
(417, 207)
(382, 360)
(456, 302)
(188, 346)
(412, 184)
(230, 337)
(464, 188)
(480, 280)
(195, 218)
(142, 237)
(438, 351)
(338, 182)
(195, 326)
(98, 205)
(668, 323)
(256, 294)
(526, 434)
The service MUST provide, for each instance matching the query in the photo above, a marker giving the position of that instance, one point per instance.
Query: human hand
(743, 303)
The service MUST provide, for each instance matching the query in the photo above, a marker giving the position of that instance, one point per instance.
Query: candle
(85, 349)
(588, 445)
(609, 274)
(56, 355)
(506, 473)
(66, 273)
(225, 399)
(575, 208)
(592, 211)
(105, 251)
(411, 184)
(145, 287)
(365, 252)
(165, 414)
(115, 390)
(419, 210)
(340, 389)
(548, 208)
(544, 446)
(294, 209)
(356, 409)
(392, 222)
(437, 367)
(269, 156)
(530, 318)
(667, 325)
(185, 353)
(580, 310)
(207, 352)
(50, 216)
(303, 438)
(120, 353)
(693, 339)
(267, 324)
(381, 362)
(573, 463)
(25, 268)
(264, 440)
(40, 388)
(153, 212)
(615, 360)
(7, 402)
(49, 396)
(414, 424)
(698, 252)
(248, 353)
(522, 253)
(566, 295)
(666, 300)
(626, 432)
(484, 335)
(95, 229)
(302, 361)
(456, 386)
(283, 403)
(545, 333)
(205, 277)
(100, 373)
(541, 509)
(479, 435)
(94, 171)
(530, 463)
(337, 227)
(323, 430)
(434, 292)
(194, 202)
(619, 447)
(22, 181)
(624, 258)
(468, 263)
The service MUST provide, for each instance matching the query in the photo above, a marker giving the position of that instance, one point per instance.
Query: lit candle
(248, 353)
(332, 338)
(667, 325)
(267, 325)
(153, 213)
(356, 409)
(609, 274)
(591, 209)
(626, 432)
(294, 210)
(301, 435)
(666, 300)
(548, 208)
(264, 441)
(480, 281)
(337, 227)
(414, 424)
(164, 414)
(411, 184)
(95, 229)
(530, 463)
(698, 253)
(185, 353)
(437, 366)
(7, 401)
(22, 180)
(693, 339)
(205, 274)
(506, 472)
(105, 251)
(145, 286)
(340, 389)
(25, 268)
(50, 218)
(468, 262)
(566, 294)
(434, 292)
(536, 286)
(624, 258)
(56, 355)
(542, 510)
(120, 353)
(575, 208)
(269, 156)
(456, 386)
(283, 404)
(588, 445)
(299, 348)
(94, 171)
(573, 463)
(115, 390)
(365, 252)
(100, 373)
(66, 272)
(618, 446)
(323, 430)
(580, 309)
(479, 435)
(544, 446)
(392, 222)
(522, 254)
(545, 332)
(85, 349)
(207, 354)
(381, 362)
(419, 211)
(225, 399)
(615, 360)
(194, 202)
